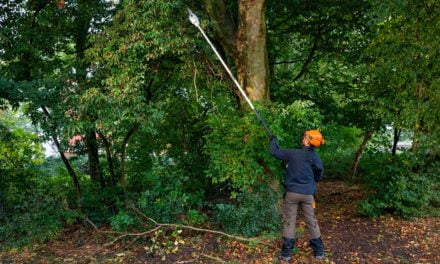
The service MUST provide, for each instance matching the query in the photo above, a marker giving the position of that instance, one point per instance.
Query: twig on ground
(213, 258)
(134, 234)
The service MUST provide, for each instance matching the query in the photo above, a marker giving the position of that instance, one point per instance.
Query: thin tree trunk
(123, 148)
(395, 141)
(66, 162)
(358, 154)
(109, 157)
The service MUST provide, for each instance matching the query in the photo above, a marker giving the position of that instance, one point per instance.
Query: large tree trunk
(245, 43)
(252, 57)
(358, 154)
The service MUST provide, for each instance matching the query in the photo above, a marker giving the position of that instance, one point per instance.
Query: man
(304, 168)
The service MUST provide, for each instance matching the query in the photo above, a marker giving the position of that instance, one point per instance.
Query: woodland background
(145, 121)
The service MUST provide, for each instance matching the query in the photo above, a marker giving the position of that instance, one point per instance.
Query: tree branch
(284, 62)
(309, 57)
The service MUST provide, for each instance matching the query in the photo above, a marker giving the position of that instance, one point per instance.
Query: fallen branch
(254, 240)
(134, 234)
(161, 225)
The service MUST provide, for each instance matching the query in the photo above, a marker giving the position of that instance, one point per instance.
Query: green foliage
(405, 185)
(255, 213)
(163, 207)
(122, 221)
(195, 218)
(101, 204)
(238, 146)
(37, 218)
(338, 150)
(166, 198)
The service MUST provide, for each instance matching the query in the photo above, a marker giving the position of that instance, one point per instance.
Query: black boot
(286, 251)
(318, 247)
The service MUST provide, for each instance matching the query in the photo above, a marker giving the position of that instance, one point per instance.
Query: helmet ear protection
(314, 137)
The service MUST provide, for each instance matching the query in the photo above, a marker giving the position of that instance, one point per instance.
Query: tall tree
(243, 38)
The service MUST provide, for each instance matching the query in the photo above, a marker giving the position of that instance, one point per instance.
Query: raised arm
(276, 151)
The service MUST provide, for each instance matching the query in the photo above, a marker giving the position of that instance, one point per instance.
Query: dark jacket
(304, 168)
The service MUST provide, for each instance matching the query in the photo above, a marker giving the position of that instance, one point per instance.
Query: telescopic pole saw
(195, 21)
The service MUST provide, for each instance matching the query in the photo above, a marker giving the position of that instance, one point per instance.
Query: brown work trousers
(290, 208)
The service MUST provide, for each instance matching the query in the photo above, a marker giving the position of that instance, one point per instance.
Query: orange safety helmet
(315, 137)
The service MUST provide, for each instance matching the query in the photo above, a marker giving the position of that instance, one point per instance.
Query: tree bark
(358, 154)
(395, 141)
(93, 157)
(245, 43)
(66, 162)
(252, 57)
(224, 26)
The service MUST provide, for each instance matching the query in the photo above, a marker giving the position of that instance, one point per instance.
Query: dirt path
(348, 238)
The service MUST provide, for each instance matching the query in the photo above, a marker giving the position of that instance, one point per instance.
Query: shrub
(37, 219)
(122, 221)
(167, 197)
(163, 207)
(195, 218)
(404, 185)
(256, 212)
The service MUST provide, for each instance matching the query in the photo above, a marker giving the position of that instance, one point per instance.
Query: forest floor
(348, 238)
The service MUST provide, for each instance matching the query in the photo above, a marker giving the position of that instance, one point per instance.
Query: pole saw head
(193, 18)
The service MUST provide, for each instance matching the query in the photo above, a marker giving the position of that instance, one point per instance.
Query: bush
(195, 218)
(404, 185)
(122, 221)
(163, 207)
(37, 219)
(167, 197)
(257, 212)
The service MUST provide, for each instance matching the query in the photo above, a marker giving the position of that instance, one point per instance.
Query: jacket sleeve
(318, 168)
(277, 152)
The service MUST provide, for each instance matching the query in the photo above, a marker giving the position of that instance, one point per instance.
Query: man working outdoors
(304, 168)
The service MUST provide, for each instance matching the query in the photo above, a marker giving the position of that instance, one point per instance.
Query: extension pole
(195, 21)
